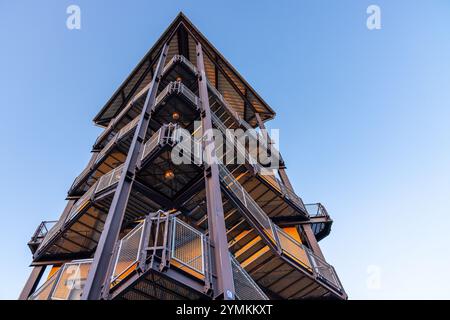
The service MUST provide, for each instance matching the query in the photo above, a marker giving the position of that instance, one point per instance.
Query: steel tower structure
(139, 226)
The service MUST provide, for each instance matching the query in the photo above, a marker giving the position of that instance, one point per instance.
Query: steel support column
(99, 273)
(32, 282)
(312, 241)
(224, 287)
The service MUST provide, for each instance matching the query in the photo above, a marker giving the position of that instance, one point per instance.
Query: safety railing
(325, 271)
(179, 58)
(109, 179)
(66, 284)
(151, 144)
(81, 176)
(122, 132)
(316, 210)
(128, 253)
(178, 88)
(236, 188)
(188, 246)
(245, 287)
(266, 174)
(294, 249)
(42, 230)
(104, 182)
(289, 246)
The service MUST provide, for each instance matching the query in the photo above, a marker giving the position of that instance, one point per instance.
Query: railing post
(166, 243)
(216, 220)
(99, 273)
(145, 238)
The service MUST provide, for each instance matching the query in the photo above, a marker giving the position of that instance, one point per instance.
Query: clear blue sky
(364, 118)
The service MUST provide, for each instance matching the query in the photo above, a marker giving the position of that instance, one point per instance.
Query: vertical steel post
(99, 276)
(32, 282)
(216, 220)
(312, 241)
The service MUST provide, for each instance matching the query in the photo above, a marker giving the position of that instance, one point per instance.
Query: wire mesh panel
(325, 271)
(109, 179)
(293, 248)
(127, 128)
(188, 246)
(128, 252)
(71, 280)
(189, 94)
(233, 185)
(106, 148)
(81, 203)
(104, 180)
(245, 287)
(151, 143)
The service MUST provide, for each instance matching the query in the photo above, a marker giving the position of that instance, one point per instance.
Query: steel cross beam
(216, 221)
(100, 270)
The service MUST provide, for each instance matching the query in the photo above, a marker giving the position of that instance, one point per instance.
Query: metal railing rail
(104, 182)
(150, 145)
(178, 88)
(119, 135)
(187, 246)
(42, 230)
(45, 291)
(128, 252)
(289, 246)
(109, 179)
(325, 271)
(65, 284)
(246, 288)
(316, 210)
(277, 183)
(239, 191)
